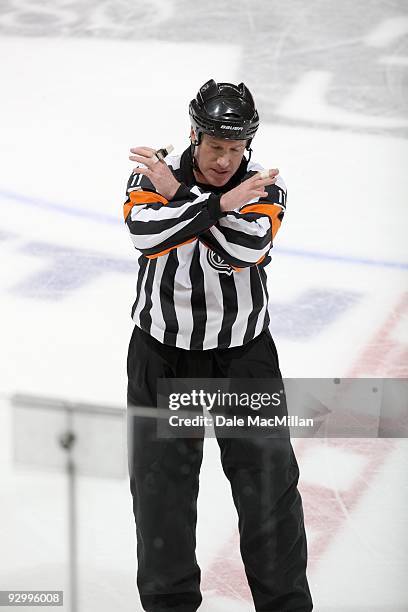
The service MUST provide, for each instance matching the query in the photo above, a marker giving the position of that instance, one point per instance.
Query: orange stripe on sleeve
(170, 249)
(142, 197)
(264, 208)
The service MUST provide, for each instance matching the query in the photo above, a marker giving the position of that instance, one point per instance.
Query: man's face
(218, 159)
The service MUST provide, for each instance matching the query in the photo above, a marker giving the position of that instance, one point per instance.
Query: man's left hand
(156, 171)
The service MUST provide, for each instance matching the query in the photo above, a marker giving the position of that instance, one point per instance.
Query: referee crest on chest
(216, 262)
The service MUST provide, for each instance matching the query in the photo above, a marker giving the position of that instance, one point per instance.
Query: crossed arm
(239, 225)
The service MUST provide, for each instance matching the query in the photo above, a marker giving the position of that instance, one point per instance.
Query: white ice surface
(70, 111)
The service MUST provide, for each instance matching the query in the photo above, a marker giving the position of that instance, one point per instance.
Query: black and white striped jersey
(201, 279)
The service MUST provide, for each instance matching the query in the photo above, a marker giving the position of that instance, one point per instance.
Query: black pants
(164, 480)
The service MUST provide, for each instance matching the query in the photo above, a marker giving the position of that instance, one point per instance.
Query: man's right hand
(253, 187)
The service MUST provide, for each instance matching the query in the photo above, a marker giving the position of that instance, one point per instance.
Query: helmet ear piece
(197, 136)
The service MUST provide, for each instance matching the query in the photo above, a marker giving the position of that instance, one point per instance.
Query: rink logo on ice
(66, 269)
(63, 269)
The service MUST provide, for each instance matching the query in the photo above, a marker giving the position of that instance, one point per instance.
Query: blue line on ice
(112, 220)
(359, 261)
(60, 208)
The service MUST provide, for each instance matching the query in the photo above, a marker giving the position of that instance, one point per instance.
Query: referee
(203, 224)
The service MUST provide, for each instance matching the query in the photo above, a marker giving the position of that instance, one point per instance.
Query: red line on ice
(326, 511)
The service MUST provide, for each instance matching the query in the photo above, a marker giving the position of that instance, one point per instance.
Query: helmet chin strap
(193, 146)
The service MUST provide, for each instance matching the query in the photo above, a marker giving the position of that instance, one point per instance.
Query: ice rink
(81, 83)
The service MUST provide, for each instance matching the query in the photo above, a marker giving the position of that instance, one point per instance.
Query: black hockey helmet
(224, 110)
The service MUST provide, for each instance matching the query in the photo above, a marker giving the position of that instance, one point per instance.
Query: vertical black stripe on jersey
(167, 298)
(198, 303)
(143, 261)
(264, 280)
(145, 316)
(230, 302)
(257, 303)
